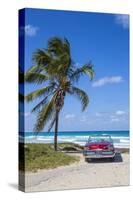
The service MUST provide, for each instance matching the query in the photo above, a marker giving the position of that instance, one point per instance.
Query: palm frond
(42, 58)
(45, 115)
(39, 106)
(39, 93)
(67, 46)
(60, 49)
(64, 60)
(86, 69)
(33, 77)
(82, 96)
(52, 123)
(55, 46)
(34, 68)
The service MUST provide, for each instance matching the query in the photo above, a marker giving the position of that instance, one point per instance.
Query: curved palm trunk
(56, 130)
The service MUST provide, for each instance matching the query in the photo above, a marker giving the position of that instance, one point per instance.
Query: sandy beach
(98, 173)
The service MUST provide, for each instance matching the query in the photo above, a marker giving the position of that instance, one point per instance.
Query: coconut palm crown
(57, 75)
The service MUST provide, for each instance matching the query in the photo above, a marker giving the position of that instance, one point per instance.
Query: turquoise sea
(120, 138)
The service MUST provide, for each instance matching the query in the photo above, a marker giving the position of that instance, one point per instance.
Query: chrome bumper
(99, 154)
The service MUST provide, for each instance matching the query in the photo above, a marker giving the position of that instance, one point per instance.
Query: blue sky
(101, 38)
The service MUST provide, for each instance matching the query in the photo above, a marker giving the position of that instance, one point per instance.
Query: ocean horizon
(120, 138)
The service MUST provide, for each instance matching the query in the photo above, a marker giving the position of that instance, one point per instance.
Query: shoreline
(120, 138)
(38, 142)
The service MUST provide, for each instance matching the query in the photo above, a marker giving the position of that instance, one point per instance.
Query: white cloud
(122, 20)
(120, 112)
(83, 119)
(69, 116)
(30, 30)
(115, 120)
(106, 80)
(98, 114)
(118, 116)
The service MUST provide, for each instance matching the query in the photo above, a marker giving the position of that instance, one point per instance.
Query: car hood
(98, 145)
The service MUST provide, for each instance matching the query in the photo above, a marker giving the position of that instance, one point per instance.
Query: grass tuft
(43, 156)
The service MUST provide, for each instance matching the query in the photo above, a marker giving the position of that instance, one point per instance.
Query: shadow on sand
(117, 159)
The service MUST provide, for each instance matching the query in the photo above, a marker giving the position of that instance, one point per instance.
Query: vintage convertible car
(99, 146)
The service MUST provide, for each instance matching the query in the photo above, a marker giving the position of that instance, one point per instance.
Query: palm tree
(55, 70)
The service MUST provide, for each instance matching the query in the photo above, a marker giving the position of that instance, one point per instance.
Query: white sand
(81, 175)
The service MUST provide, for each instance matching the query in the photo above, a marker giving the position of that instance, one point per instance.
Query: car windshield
(100, 138)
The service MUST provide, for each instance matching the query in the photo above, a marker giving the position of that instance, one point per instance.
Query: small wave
(44, 139)
(119, 141)
(124, 141)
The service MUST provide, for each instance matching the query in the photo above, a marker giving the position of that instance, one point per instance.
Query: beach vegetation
(43, 156)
